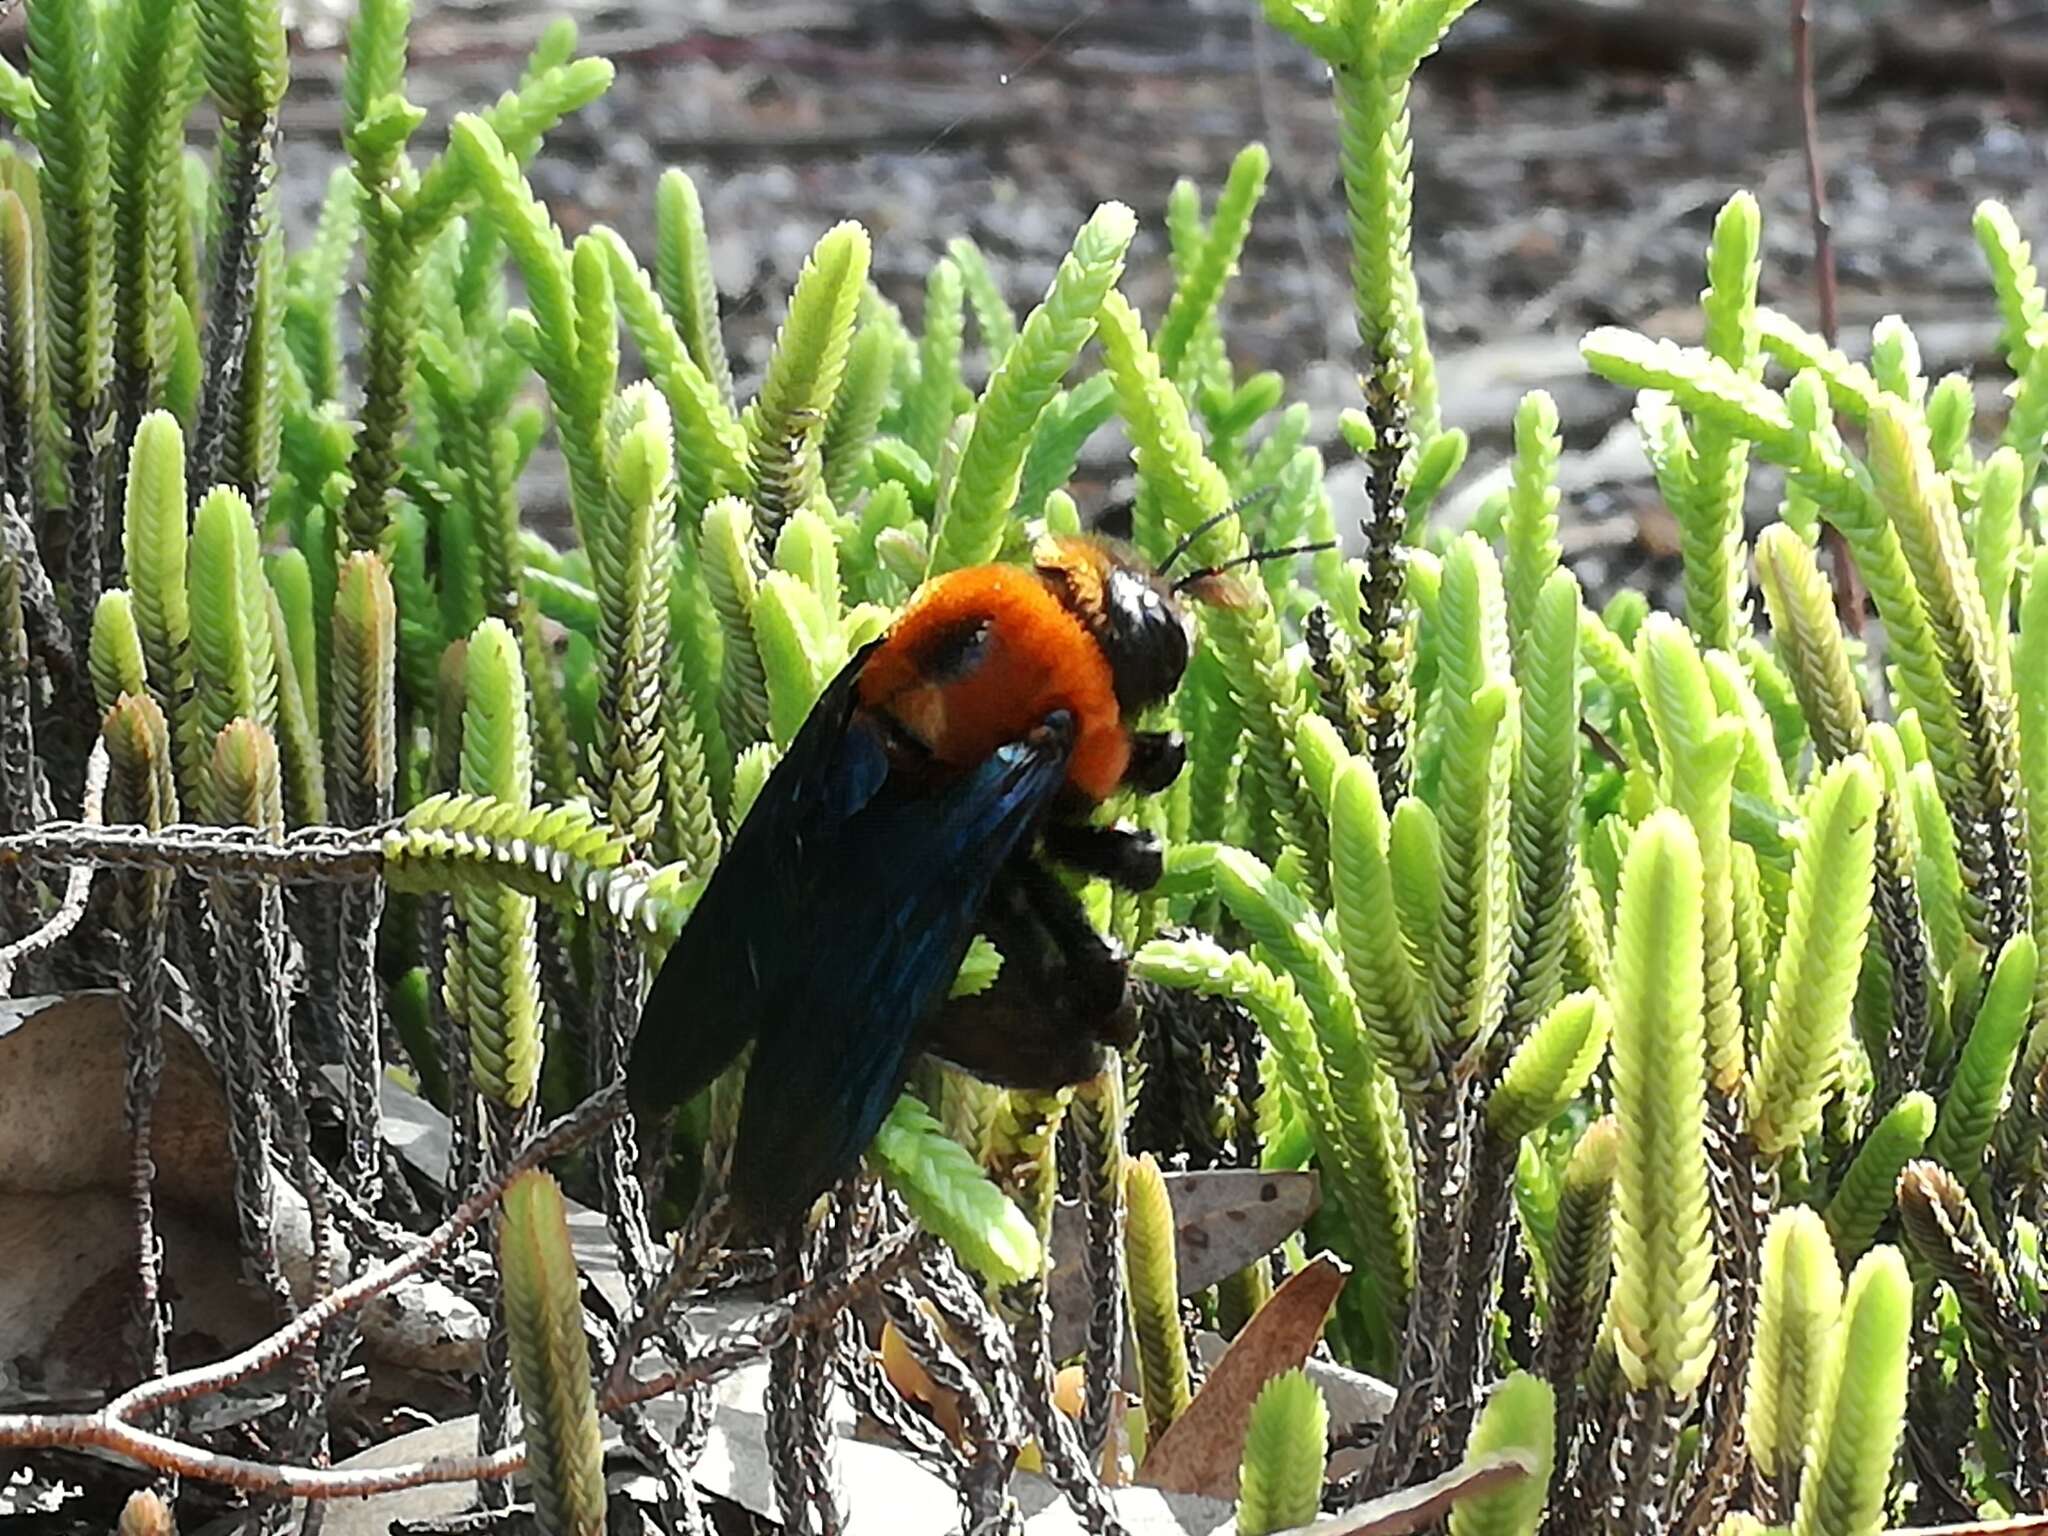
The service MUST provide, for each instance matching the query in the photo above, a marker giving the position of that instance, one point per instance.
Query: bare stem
(1816, 181)
(564, 1134)
(247, 173)
(77, 884)
(1848, 587)
(228, 853)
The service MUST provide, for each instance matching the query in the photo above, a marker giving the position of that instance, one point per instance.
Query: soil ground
(1557, 187)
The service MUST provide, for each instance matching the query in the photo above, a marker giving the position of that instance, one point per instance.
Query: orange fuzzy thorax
(1038, 658)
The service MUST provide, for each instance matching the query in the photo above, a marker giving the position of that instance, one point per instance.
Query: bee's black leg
(1119, 855)
(1095, 960)
(1156, 761)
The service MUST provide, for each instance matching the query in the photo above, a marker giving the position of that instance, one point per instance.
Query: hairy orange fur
(1039, 659)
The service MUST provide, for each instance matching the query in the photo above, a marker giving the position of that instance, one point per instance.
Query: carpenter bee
(929, 795)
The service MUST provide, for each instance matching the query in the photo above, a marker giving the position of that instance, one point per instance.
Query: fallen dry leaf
(910, 1379)
(1223, 1219)
(1200, 1451)
(67, 1225)
(1420, 1507)
(885, 1492)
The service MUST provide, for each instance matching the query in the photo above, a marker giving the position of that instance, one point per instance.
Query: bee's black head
(1144, 630)
(1147, 634)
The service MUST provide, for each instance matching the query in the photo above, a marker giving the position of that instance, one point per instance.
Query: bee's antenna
(1245, 503)
(1256, 557)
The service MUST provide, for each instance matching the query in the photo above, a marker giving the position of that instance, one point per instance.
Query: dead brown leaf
(67, 1223)
(1420, 1507)
(1200, 1451)
(1223, 1219)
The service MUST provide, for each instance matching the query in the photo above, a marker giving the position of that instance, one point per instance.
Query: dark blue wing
(751, 923)
(908, 875)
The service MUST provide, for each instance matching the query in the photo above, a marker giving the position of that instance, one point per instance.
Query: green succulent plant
(1656, 996)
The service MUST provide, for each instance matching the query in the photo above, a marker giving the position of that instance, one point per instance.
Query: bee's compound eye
(1147, 638)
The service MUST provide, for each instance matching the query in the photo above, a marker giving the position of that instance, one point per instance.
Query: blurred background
(1569, 158)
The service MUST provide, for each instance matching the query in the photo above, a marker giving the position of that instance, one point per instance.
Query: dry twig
(77, 884)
